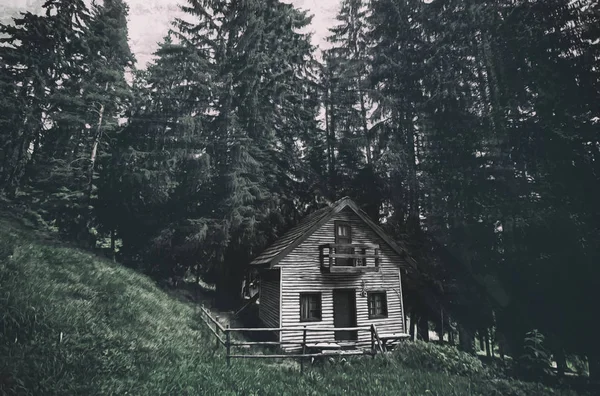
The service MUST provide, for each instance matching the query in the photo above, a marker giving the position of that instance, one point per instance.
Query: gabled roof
(298, 234)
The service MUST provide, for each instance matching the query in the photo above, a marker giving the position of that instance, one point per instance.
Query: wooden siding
(301, 272)
(270, 295)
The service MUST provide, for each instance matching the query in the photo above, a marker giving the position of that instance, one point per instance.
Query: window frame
(343, 223)
(319, 300)
(371, 295)
(349, 262)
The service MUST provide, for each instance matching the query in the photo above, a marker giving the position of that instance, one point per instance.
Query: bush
(441, 358)
(578, 364)
(534, 363)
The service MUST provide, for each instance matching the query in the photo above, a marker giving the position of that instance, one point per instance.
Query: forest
(468, 129)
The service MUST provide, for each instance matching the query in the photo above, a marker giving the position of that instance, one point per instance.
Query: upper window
(310, 307)
(343, 230)
(377, 305)
(343, 236)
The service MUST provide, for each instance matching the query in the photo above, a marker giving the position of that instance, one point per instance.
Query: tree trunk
(561, 362)
(14, 179)
(332, 141)
(330, 138)
(112, 244)
(223, 288)
(94, 152)
(363, 114)
(413, 211)
(450, 331)
(423, 327)
(481, 340)
(363, 108)
(413, 325)
(488, 346)
(594, 367)
(229, 279)
(466, 339)
(441, 327)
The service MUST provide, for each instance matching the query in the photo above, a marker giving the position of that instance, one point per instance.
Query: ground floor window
(310, 307)
(377, 304)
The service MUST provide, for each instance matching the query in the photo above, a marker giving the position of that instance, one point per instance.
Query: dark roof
(298, 234)
(288, 239)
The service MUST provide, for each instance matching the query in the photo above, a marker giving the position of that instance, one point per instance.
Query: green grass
(74, 324)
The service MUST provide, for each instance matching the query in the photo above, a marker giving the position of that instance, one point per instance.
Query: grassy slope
(123, 335)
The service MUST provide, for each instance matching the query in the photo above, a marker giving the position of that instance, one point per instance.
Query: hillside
(76, 324)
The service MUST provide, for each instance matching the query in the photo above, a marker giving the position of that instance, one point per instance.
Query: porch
(232, 338)
(349, 258)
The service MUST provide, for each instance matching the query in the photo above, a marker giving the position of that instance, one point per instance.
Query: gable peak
(341, 201)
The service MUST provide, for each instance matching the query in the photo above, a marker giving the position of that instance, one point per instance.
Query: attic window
(343, 236)
(310, 307)
(343, 232)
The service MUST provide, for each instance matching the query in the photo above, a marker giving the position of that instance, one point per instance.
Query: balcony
(349, 258)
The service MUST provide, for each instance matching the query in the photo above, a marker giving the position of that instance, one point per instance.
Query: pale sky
(149, 20)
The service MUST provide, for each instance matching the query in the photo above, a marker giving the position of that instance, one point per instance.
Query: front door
(344, 313)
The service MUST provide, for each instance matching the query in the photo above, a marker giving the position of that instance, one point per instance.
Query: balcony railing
(349, 258)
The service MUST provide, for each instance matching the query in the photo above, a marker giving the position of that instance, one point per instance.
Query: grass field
(75, 324)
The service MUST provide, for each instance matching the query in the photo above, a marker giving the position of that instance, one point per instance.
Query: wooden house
(336, 269)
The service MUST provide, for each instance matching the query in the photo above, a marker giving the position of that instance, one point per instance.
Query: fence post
(303, 350)
(372, 342)
(228, 345)
(217, 331)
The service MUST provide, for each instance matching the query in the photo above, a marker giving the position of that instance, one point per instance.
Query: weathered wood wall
(301, 273)
(269, 298)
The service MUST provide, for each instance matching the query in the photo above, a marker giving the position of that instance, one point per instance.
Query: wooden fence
(223, 336)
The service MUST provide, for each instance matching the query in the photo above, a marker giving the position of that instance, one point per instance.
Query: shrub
(535, 360)
(578, 364)
(441, 358)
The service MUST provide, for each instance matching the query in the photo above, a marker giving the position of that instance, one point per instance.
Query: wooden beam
(207, 313)
(342, 353)
(348, 269)
(351, 255)
(251, 343)
(351, 245)
(377, 339)
(299, 329)
(213, 331)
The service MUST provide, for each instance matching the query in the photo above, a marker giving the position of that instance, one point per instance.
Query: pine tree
(215, 127)
(145, 162)
(37, 52)
(83, 110)
(356, 145)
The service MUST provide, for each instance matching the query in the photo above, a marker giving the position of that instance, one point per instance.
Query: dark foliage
(469, 129)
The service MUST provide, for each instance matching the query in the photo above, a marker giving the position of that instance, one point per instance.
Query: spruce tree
(215, 127)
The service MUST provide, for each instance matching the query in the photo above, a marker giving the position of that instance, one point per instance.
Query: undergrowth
(444, 359)
(75, 324)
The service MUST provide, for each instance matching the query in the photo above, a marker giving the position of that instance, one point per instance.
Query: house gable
(297, 235)
(306, 253)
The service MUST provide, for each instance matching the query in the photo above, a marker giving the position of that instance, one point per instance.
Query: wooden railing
(226, 336)
(361, 262)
